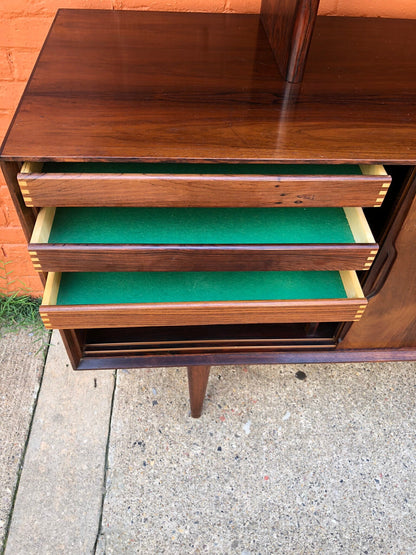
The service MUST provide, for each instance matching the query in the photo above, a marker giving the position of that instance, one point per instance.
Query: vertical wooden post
(289, 26)
(197, 381)
(71, 340)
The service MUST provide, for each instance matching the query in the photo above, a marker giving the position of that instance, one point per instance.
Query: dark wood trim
(192, 258)
(223, 359)
(73, 346)
(382, 265)
(289, 26)
(174, 350)
(374, 280)
(27, 216)
(197, 382)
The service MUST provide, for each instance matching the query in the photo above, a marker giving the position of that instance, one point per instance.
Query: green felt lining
(200, 226)
(157, 287)
(226, 169)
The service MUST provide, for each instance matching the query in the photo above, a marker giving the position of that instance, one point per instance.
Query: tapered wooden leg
(197, 381)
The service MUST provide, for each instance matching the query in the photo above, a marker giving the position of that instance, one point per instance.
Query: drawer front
(349, 305)
(44, 185)
(349, 244)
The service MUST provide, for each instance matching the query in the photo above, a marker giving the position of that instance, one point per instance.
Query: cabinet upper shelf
(140, 86)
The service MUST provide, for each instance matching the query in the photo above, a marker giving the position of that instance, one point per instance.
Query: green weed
(19, 311)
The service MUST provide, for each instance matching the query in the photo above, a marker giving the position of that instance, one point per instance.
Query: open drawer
(135, 299)
(109, 184)
(199, 239)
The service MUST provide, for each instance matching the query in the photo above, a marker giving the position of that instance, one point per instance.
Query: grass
(19, 311)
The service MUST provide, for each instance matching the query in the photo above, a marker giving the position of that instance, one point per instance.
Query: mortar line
(107, 450)
(25, 446)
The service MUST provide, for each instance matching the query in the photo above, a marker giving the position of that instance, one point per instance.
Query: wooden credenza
(187, 206)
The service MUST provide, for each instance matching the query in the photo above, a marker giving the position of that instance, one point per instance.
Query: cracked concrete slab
(59, 499)
(21, 367)
(276, 464)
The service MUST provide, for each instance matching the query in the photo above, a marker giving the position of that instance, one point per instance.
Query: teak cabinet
(187, 205)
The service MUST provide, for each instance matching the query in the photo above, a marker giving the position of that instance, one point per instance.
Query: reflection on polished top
(140, 86)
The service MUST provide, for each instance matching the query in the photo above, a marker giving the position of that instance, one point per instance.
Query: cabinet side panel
(390, 318)
(27, 216)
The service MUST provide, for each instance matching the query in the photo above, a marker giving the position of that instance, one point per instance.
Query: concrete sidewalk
(114, 463)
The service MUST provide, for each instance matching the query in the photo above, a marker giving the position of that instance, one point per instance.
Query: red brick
(10, 8)
(3, 218)
(33, 285)
(30, 285)
(12, 235)
(7, 204)
(18, 259)
(12, 218)
(25, 285)
(13, 8)
(18, 268)
(10, 93)
(15, 251)
(6, 72)
(241, 6)
(5, 197)
(5, 119)
(24, 32)
(50, 6)
(22, 61)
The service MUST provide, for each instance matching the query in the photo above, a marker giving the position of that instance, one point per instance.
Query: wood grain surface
(185, 314)
(197, 381)
(191, 258)
(42, 189)
(289, 26)
(293, 357)
(204, 87)
(390, 318)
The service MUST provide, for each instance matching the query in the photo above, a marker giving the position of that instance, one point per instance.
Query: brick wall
(23, 28)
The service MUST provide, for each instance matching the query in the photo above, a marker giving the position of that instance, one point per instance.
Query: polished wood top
(133, 86)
